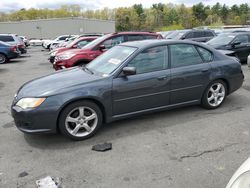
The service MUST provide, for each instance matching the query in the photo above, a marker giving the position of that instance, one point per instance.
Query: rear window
(6, 38)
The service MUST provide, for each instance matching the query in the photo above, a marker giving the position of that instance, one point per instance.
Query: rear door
(148, 88)
(190, 72)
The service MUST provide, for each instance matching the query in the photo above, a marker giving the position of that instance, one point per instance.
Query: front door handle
(162, 77)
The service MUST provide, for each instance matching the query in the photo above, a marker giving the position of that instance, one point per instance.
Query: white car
(36, 42)
(241, 178)
(48, 44)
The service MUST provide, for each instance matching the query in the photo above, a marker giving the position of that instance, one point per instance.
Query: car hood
(56, 83)
(73, 51)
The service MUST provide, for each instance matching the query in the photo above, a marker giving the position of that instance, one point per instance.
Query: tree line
(158, 17)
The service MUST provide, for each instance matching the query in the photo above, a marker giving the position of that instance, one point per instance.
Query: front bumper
(40, 120)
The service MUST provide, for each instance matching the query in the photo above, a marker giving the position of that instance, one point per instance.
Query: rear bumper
(236, 83)
(23, 50)
(13, 55)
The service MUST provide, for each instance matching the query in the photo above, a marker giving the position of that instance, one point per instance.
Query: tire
(73, 120)
(215, 95)
(3, 59)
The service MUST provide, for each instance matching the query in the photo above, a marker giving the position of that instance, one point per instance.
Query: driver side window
(113, 42)
(150, 60)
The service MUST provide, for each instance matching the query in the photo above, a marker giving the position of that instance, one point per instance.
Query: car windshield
(110, 60)
(96, 41)
(222, 39)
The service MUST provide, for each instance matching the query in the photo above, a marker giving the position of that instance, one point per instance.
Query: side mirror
(236, 43)
(102, 48)
(74, 46)
(129, 71)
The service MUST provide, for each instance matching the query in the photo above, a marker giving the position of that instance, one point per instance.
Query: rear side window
(198, 34)
(189, 35)
(184, 55)
(209, 34)
(135, 37)
(63, 38)
(207, 55)
(150, 37)
(7, 38)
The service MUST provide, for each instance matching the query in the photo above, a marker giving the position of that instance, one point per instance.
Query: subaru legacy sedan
(130, 79)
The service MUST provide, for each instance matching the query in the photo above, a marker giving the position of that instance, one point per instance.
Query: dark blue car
(7, 52)
(130, 79)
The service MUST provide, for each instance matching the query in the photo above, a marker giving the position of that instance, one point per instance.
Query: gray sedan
(130, 79)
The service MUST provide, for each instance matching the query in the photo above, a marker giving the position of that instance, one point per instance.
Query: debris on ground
(102, 147)
(23, 174)
(49, 182)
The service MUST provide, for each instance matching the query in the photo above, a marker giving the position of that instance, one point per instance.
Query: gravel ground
(189, 147)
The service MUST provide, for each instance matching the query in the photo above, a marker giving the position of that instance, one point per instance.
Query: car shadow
(15, 61)
(126, 128)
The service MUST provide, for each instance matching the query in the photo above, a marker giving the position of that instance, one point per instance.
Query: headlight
(243, 181)
(65, 57)
(30, 102)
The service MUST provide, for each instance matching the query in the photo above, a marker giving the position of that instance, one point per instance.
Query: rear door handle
(162, 77)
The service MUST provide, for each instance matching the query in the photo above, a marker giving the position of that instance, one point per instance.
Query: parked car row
(85, 49)
(11, 46)
(233, 42)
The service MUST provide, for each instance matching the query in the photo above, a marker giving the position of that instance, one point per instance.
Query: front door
(148, 88)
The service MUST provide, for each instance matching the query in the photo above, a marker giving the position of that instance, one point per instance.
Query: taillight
(13, 49)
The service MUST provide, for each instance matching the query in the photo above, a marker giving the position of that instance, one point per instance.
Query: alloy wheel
(216, 94)
(2, 59)
(81, 121)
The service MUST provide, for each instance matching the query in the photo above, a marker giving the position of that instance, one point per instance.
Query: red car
(95, 48)
(77, 43)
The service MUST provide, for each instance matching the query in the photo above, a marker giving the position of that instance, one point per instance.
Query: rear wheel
(3, 59)
(80, 120)
(215, 95)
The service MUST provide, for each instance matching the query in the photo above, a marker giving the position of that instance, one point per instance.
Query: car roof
(158, 42)
(135, 32)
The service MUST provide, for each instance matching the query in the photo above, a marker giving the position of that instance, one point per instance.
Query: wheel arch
(81, 61)
(5, 55)
(91, 99)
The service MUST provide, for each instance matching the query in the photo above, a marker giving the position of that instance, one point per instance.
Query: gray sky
(8, 5)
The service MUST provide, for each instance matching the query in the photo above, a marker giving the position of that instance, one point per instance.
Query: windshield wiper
(85, 68)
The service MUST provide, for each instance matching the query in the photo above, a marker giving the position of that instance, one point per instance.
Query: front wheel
(214, 95)
(80, 120)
